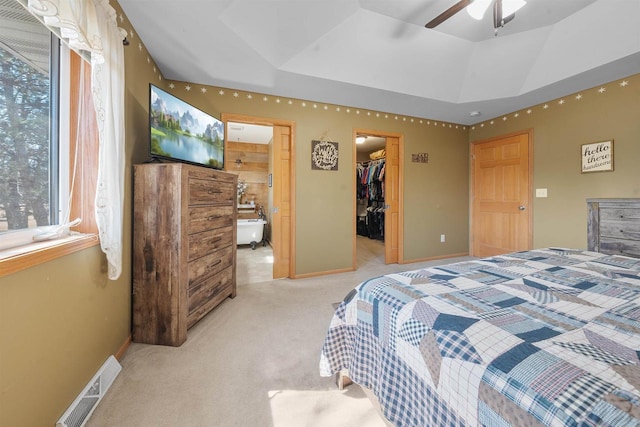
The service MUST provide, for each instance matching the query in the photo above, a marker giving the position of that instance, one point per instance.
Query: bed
(546, 337)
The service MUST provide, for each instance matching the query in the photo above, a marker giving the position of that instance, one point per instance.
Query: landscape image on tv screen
(181, 132)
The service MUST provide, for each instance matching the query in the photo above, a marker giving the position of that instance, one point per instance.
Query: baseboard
(322, 273)
(347, 270)
(123, 348)
(435, 258)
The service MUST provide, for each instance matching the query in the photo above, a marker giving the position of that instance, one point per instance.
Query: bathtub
(250, 231)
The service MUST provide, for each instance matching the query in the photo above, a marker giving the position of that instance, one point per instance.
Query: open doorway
(370, 168)
(247, 150)
(377, 198)
(260, 151)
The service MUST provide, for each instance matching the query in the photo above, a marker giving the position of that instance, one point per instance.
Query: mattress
(547, 337)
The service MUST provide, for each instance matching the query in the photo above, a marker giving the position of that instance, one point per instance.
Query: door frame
(400, 231)
(529, 133)
(254, 120)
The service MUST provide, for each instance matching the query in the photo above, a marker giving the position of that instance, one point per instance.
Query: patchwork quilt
(547, 337)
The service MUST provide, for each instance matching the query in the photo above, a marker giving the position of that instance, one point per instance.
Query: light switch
(541, 192)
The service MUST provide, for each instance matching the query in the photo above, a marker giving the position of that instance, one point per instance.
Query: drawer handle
(214, 191)
(212, 217)
(210, 266)
(216, 239)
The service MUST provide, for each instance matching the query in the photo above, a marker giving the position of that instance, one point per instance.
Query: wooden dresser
(184, 252)
(613, 226)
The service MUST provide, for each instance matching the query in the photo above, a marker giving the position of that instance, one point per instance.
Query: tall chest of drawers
(184, 252)
(613, 226)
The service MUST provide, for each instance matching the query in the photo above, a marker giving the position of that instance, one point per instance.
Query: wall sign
(597, 157)
(420, 158)
(324, 155)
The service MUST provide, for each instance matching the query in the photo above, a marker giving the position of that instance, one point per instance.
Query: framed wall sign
(420, 158)
(597, 156)
(324, 155)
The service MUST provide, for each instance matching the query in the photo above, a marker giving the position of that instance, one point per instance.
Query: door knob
(521, 207)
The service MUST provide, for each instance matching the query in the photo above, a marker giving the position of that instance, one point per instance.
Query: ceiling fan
(503, 11)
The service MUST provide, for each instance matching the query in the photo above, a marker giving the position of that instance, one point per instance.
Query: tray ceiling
(378, 55)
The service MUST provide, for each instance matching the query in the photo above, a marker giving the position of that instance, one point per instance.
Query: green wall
(59, 321)
(560, 127)
(435, 193)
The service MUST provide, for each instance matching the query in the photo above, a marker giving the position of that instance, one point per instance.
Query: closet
(370, 191)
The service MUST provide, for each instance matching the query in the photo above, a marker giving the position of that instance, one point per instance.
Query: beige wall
(435, 197)
(60, 321)
(560, 127)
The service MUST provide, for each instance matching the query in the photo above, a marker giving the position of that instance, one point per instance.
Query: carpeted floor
(253, 361)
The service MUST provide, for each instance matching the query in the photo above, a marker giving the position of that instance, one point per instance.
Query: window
(40, 95)
(29, 71)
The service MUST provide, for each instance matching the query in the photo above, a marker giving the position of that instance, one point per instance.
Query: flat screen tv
(183, 133)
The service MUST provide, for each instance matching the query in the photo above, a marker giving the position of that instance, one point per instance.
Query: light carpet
(252, 361)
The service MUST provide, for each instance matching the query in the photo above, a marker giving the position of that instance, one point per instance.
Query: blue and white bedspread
(544, 337)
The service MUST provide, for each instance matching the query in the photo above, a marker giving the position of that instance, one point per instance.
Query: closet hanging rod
(366, 162)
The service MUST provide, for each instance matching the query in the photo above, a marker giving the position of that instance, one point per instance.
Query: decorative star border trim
(559, 102)
(175, 85)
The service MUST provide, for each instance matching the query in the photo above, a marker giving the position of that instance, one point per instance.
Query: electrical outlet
(442, 238)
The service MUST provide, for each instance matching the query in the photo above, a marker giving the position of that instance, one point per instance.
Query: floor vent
(81, 409)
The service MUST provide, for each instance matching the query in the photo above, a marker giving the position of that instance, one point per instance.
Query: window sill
(20, 258)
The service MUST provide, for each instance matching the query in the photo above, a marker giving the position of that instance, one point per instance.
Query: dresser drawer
(208, 265)
(207, 191)
(617, 246)
(209, 293)
(209, 218)
(203, 243)
(628, 215)
(619, 222)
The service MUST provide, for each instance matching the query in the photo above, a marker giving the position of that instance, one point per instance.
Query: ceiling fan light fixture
(360, 139)
(477, 8)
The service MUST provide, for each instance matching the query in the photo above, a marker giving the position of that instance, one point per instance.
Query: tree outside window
(25, 111)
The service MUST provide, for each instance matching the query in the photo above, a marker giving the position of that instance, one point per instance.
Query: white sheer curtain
(91, 28)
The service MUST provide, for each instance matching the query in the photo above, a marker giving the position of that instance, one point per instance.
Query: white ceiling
(244, 132)
(377, 54)
(372, 143)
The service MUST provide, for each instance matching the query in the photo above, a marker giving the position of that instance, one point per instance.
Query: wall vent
(81, 409)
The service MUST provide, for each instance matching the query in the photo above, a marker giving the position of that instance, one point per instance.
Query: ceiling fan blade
(497, 13)
(448, 13)
(498, 19)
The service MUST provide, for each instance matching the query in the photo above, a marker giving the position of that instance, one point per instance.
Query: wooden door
(501, 195)
(281, 208)
(392, 200)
